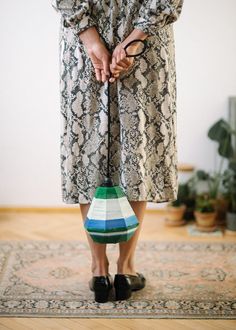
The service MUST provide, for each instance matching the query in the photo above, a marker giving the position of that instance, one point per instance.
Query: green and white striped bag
(110, 218)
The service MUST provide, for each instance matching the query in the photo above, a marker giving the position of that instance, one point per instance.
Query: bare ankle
(125, 267)
(100, 268)
(100, 271)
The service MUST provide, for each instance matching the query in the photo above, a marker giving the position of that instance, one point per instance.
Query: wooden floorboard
(56, 224)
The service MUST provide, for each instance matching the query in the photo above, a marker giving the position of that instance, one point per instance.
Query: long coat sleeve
(76, 14)
(155, 14)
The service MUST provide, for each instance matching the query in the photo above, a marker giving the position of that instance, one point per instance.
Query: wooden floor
(67, 224)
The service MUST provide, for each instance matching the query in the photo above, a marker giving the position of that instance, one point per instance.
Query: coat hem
(168, 200)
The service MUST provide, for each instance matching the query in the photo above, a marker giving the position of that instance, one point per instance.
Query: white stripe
(108, 209)
(113, 234)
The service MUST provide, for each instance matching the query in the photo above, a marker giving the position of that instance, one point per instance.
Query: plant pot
(205, 220)
(231, 221)
(174, 215)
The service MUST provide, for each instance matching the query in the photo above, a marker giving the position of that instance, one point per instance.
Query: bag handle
(137, 54)
(107, 181)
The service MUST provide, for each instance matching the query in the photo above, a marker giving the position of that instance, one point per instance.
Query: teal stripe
(109, 192)
(113, 230)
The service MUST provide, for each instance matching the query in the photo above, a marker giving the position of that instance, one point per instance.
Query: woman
(93, 35)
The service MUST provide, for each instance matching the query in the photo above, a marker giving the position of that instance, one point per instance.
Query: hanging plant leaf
(221, 133)
(219, 130)
(225, 148)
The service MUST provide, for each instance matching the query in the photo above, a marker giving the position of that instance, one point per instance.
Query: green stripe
(109, 192)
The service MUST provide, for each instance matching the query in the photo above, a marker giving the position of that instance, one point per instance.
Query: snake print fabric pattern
(143, 154)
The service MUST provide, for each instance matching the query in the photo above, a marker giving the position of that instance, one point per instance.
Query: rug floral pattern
(184, 280)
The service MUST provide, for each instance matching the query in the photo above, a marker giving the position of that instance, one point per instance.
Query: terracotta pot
(174, 214)
(205, 219)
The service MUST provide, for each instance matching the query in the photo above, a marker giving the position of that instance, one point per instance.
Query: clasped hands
(109, 65)
(106, 65)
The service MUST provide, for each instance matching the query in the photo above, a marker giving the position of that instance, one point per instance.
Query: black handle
(138, 54)
(107, 181)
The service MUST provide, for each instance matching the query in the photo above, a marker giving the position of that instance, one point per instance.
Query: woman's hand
(120, 62)
(98, 53)
(103, 63)
(100, 58)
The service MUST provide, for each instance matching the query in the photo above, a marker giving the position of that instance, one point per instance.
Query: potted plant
(205, 213)
(175, 209)
(211, 182)
(222, 133)
(229, 182)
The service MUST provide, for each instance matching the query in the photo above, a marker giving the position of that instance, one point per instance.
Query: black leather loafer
(101, 286)
(124, 284)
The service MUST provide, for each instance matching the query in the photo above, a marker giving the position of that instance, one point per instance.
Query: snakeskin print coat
(143, 155)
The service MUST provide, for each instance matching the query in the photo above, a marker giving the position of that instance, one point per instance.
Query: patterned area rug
(184, 280)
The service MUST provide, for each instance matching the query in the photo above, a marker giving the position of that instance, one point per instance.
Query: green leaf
(221, 133)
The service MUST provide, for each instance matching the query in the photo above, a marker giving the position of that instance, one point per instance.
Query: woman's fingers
(115, 75)
(120, 54)
(126, 61)
(104, 76)
(114, 72)
(118, 68)
(115, 65)
(101, 75)
(98, 74)
(113, 78)
(105, 62)
(121, 62)
(122, 65)
(101, 59)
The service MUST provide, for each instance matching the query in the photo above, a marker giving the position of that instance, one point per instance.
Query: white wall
(206, 74)
(29, 92)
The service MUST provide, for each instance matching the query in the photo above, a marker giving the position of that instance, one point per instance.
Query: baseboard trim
(49, 209)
